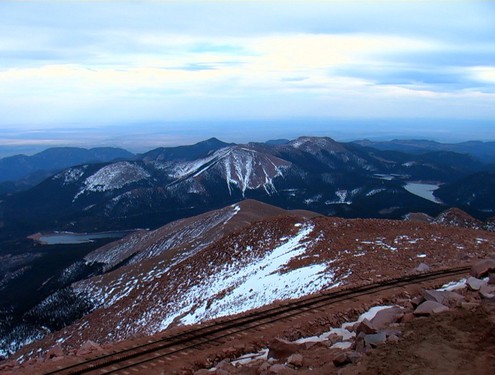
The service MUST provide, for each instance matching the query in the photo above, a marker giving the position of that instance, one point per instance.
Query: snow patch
(453, 285)
(113, 176)
(236, 288)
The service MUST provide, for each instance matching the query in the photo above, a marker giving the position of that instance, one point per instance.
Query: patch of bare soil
(459, 341)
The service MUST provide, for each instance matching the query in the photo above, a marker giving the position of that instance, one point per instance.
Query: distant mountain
(52, 160)
(482, 151)
(166, 184)
(276, 142)
(184, 153)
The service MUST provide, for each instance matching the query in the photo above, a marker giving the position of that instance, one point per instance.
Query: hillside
(272, 259)
(52, 160)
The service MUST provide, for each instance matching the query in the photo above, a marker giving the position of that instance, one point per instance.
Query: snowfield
(235, 289)
(113, 176)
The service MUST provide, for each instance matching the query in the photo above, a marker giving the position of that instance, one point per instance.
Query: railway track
(158, 353)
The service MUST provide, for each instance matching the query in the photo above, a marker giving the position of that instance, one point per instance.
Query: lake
(70, 238)
(423, 190)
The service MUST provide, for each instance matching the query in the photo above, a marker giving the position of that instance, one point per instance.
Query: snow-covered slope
(111, 177)
(251, 282)
(240, 167)
(148, 255)
(277, 258)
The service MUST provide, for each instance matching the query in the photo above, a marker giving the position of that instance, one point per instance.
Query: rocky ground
(447, 331)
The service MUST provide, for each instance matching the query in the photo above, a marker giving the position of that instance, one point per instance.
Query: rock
(475, 284)
(483, 267)
(295, 360)
(416, 301)
(354, 357)
(280, 369)
(408, 317)
(405, 303)
(487, 291)
(202, 372)
(392, 331)
(422, 267)
(366, 327)
(385, 317)
(334, 338)
(282, 349)
(341, 359)
(491, 278)
(429, 308)
(375, 339)
(450, 299)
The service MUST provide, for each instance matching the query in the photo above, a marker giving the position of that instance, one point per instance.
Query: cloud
(103, 62)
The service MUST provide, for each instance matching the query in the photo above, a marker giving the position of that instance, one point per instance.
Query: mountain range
(21, 171)
(319, 174)
(217, 208)
(482, 151)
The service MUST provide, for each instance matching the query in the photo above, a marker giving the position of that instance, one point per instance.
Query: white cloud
(290, 61)
(483, 73)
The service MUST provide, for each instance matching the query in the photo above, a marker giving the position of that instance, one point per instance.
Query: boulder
(408, 317)
(450, 299)
(282, 349)
(487, 291)
(483, 267)
(354, 357)
(423, 267)
(475, 284)
(375, 339)
(341, 359)
(385, 317)
(392, 331)
(416, 301)
(334, 338)
(366, 327)
(295, 360)
(429, 308)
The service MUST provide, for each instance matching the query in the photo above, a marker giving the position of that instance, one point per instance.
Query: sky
(171, 72)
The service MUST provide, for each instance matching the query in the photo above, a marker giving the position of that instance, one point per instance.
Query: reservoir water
(59, 238)
(423, 190)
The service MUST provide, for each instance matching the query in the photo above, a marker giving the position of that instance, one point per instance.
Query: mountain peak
(315, 144)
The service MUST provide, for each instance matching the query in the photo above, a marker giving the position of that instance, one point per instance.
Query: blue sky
(107, 64)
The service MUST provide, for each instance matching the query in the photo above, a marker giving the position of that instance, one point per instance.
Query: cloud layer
(106, 62)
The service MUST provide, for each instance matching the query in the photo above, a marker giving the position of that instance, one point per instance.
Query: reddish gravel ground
(461, 341)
